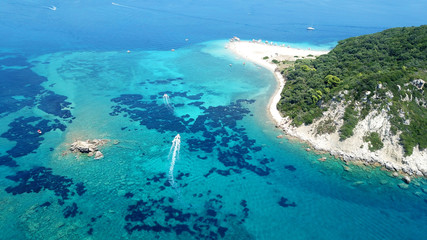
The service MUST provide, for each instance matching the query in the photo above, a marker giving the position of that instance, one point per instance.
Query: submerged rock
(403, 185)
(358, 183)
(347, 168)
(98, 155)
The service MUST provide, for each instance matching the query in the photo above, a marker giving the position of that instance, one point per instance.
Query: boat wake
(53, 8)
(166, 101)
(174, 150)
(121, 5)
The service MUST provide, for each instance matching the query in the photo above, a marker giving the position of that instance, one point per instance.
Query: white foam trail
(120, 5)
(176, 145)
(53, 8)
(166, 101)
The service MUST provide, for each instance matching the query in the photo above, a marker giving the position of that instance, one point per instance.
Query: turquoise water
(68, 73)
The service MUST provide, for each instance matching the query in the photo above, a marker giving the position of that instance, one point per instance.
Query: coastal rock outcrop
(89, 146)
(391, 156)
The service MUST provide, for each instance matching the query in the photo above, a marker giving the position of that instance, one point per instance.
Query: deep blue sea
(78, 70)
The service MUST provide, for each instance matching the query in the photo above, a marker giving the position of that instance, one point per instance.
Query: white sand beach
(254, 51)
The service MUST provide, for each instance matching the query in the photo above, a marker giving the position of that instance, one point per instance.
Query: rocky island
(90, 147)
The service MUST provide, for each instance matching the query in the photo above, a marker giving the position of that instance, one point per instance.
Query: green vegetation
(306, 68)
(375, 71)
(350, 120)
(265, 58)
(326, 126)
(275, 61)
(288, 62)
(374, 141)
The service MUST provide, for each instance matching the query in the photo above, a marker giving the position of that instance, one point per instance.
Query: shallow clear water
(68, 73)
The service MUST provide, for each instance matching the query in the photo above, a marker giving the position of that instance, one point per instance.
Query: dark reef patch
(46, 204)
(182, 94)
(54, 104)
(217, 126)
(21, 88)
(158, 215)
(18, 89)
(157, 178)
(39, 179)
(197, 103)
(290, 168)
(149, 114)
(181, 175)
(129, 195)
(161, 178)
(220, 123)
(24, 132)
(70, 211)
(7, 161)
(14, 61)
(284, 203)
(228, 171)
(165, 81)
(212, 170)
(163, 214)
(80, 188)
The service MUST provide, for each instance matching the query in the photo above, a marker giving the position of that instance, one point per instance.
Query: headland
(391, 156)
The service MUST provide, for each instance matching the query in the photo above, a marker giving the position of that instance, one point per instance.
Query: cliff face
(323, 134)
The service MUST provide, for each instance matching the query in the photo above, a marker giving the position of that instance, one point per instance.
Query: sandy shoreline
(256, 51)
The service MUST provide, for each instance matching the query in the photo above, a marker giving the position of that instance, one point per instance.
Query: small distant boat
(310, 28)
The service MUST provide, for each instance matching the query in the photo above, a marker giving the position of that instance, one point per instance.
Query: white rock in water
(81, 146)
(406, 179)
(98, 155)
(89, 146)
